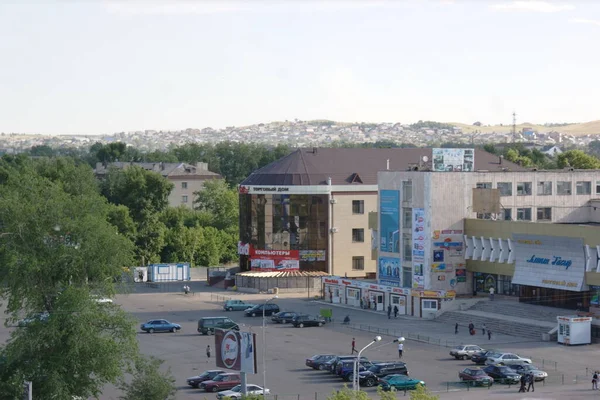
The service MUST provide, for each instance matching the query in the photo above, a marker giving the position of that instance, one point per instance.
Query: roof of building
(281, 274)
(347, 166)
(170, 170)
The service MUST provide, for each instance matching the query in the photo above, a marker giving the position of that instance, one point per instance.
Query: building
(186, 178)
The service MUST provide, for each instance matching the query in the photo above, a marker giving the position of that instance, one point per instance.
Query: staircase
(507, 317)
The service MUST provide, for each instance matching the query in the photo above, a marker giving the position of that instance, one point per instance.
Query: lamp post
(355, 377)
(264, 349)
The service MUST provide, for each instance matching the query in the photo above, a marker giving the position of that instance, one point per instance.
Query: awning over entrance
(283, 274)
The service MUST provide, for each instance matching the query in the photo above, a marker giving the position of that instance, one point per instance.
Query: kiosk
(574, 330)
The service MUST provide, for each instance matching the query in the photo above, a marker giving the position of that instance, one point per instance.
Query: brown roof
(356, 166)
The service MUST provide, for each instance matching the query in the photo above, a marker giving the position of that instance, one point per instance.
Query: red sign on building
(274, 260)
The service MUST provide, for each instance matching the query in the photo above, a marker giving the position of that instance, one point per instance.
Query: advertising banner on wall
(550, 262)
(274, 260)
(461, 275)
(389, 271)
(236, 350)
(312, 255)
(389, 217)
(453, 160)
(448, 246)
(419, 242)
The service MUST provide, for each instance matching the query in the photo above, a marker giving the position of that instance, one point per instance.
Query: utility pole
(514, 127)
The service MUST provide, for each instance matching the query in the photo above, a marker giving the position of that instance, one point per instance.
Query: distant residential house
(186, 178)
(553, 151)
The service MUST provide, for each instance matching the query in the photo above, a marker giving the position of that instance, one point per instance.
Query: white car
(236, 392)
(506, 359)
(102, 300)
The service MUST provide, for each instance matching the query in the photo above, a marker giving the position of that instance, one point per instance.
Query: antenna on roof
(329, 181)
(388, 164)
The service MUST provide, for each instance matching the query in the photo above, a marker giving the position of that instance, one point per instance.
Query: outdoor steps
(522, 310)
(497, 323)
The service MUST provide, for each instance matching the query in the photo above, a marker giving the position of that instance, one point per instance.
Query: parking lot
(288, 347)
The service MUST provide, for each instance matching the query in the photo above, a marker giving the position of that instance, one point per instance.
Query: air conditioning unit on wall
(333, 201)
(333, 230)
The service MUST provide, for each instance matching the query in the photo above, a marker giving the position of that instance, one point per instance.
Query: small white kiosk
(574, 330)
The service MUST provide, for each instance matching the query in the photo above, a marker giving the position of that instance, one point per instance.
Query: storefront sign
(312, 255)
(389, 220)
(243, 249)
(274, 260)
(438, 233)
(296, 189)
(438, 294)
(461, 275)
(453, 160)
(549, 261)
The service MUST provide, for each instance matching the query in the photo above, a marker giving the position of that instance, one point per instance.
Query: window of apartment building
(484, 216)
(484, 185)
(407, 191)
(184, 185)
(506, 214)
(358, 206)
(407, 247)
(523, 214)
(544, 188)
(505, 188)
(544, 214)
(358, 263)
(407, 218)
(358, 235)
(597, 187)
(523, 188)
(184, 199)
(563, 188)
(584, 187)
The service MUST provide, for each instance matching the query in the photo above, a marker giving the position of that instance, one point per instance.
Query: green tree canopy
(578, 160)
(148, 382)
(219, 204)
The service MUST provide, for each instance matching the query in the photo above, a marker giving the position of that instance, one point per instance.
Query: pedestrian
(530, 380)
(456, 328)
(489, 334)
(471, 328)
(396, 311)
(208, 351)
(389, 311)
(141, 276)
(354, 346)
(492, 290)
(523, 380)
(400, 349)
(362, 303)
(595, 381)
(483, 329)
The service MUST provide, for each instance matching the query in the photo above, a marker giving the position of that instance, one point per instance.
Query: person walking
(456, 328)
(530, 380)
(523, 380)
(354, 346)
(595, 381)
(208, 351)
(483, 329)
(396, 311)
(471, 328)
(492, 290)
(489, 334)
(400, 349)
(389, 311)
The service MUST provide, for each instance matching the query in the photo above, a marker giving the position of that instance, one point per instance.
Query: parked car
(502, 374)
(464, 351)
(399, 382)
(480, 357)
(506, 359)
(475, 377)
(207, 325)
(221, 382)
(269, 309)
(237, 305)
(318, 361)
(345, 370)
(332, 364)
(236, 392)
(522, 369)
(159, 325)
(371, 376)
(195, 381)
(302, 321)
(284, 317)
(42, 317)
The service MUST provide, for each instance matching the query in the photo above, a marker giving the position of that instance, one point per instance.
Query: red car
(475, 377)
(221, 382)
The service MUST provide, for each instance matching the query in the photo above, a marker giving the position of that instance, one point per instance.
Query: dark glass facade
(286, 222)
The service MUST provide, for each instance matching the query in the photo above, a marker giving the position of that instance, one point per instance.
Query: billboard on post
(236, 350)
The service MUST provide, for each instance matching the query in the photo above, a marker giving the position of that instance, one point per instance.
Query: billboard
(453, 160)
(389, 271)
(274, 260)
(312, 255)
(418, 247)
(389, 220)
(236, 350)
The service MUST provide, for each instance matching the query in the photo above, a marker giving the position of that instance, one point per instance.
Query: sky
(99, 67)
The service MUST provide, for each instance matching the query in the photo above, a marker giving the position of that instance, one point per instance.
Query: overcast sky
(101, 67)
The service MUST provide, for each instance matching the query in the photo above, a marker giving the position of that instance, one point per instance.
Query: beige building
(186, 178)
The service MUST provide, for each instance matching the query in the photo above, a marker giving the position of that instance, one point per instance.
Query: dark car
(332, 364)
(399, 382)
(302, 321)
(195, 381)
(268, 309)
(502, 374)
(159, 325)
(475, 377)
(370, 377)
(318, 361)
(284, 317)
(221, 382)
(345, 370)
(480, 356)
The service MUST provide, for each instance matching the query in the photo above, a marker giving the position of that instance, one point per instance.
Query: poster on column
(389, 271)
(418, 235)
(389, 217)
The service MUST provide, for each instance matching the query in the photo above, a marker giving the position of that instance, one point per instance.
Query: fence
(217, 298)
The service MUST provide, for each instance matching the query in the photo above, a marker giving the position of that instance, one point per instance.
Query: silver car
(464, 351)
(506, 359)
(522, 369)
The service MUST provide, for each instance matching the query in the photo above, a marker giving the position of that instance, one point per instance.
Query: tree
(477, 123)
(219, 204)
(422, 393)
(348, 394)
(148, 382)
(578, 160)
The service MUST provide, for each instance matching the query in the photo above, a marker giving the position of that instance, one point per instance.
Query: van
(207, 325)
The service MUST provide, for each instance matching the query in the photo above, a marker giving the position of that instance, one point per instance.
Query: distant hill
(586, 128)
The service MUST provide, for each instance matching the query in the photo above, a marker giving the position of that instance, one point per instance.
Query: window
(358, 235)
(184, 199)
(584, 187)
(430, 304)
(544, 188)
(484, 185)
(407, 246)
(544, 214)
(184, 185)
(523, 188)
(506, 214)
(407, 191)
(484, 216)
(505, 188)
(407, 218)
(358, 263)
(563, 188)
(523, 214)
(597, 187)
(358, 206)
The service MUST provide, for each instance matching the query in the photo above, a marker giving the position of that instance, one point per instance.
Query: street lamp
(355, 377)
(264, 349)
